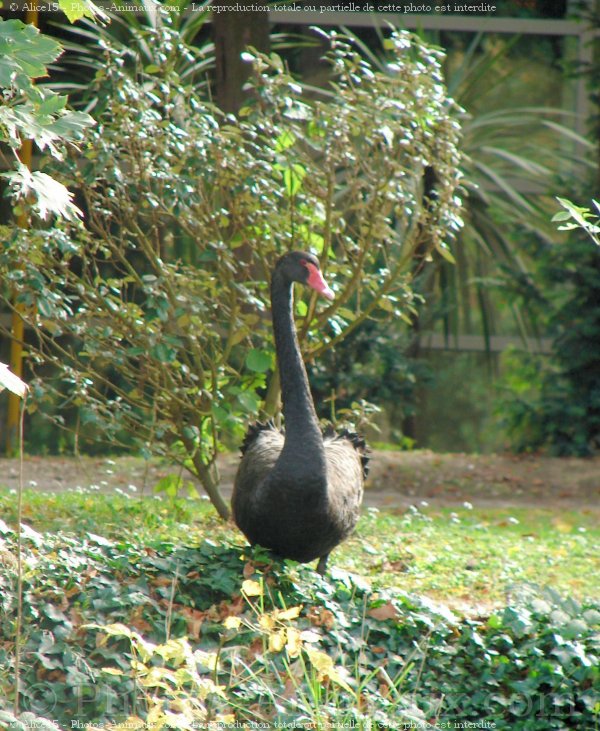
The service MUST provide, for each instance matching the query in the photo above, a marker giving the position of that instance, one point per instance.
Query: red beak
(316, 281)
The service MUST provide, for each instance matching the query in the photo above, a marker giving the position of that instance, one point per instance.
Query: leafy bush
(556, 404)
(490, 280)
(31, 111)
(172, 350)
(105, 624)
(370, 372)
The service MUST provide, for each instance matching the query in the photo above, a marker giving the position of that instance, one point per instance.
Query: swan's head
(300, 266)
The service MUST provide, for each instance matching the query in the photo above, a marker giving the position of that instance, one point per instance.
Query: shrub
(154, 314)
(33, 112)
(555, 404)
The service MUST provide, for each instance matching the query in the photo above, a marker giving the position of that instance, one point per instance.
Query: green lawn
(479, 555)
(123, 597)
(461, 557)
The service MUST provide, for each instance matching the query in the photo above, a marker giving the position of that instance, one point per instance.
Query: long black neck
(301, 423)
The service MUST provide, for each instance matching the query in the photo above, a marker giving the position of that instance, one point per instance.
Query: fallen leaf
(266, 622)
(325, 668)
(255, 648)
(194, 619)
(162, 581)
(385, 611)
(289, 689)
(320, 617)
(252, 588)
(291, 613)
(231, 609)
(277, 641)
(384, 690)
(232, 622)
(294, 642)
(138, 622)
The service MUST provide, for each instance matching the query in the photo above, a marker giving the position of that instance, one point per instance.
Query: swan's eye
(309, 264)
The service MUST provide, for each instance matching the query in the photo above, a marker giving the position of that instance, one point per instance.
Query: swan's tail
(254, 431)
(357, 442)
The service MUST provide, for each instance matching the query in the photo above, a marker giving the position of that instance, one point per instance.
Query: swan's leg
(322, 565)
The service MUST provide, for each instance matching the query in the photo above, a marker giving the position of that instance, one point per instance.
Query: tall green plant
(129, 35)
(31, 111)
(488, 282)
(554, 404)
(507, 175)
(177, 357)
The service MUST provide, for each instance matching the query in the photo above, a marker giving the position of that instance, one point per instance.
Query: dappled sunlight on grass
(477, 556)
(465, 556)
(424, 614)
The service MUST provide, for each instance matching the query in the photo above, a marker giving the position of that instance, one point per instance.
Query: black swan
(297, 493)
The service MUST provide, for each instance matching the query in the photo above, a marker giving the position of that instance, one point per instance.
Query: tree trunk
(233, 31)
(209, 477)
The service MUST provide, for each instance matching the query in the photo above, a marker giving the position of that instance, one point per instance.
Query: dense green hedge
(396, 659)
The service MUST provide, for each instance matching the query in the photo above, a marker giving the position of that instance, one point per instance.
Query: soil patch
(397, 479)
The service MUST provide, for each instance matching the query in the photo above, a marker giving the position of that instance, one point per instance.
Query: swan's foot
(322, 565)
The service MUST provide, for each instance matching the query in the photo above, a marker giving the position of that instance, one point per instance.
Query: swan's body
(297, 493)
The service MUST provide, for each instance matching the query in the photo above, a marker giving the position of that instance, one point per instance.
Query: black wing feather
(254, 431)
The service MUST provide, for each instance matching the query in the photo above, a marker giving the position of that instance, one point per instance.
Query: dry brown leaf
(231, 609)
(138, 622)
(384, 690)
(320, 617)
(255, 648)
(162, 581)
(194, 619)
(385, 611)
(289, 689)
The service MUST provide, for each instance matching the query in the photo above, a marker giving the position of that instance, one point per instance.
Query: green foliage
(371, 366)
(173, 351)
(509, 178)
(106, 622)
(504, 144)
(486, 551)
(129, 34)
(172, 678)
(30, 111)
(555, 405)
(25, 56)
(577, 217)
(489, 284)
(81, 9)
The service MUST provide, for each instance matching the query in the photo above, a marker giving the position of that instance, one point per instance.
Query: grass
(477, 556)
(464, 557)
(174, 612)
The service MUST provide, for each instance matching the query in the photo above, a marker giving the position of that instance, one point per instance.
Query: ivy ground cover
(150, 613)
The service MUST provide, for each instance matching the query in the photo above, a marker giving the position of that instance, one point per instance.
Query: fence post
(17, 329)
